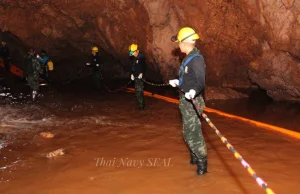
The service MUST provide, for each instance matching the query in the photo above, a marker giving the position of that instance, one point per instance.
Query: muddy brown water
(111, 147)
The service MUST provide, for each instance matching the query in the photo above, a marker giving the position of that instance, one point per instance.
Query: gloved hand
(190, 94)
(140, 76)
(97, 65)
(87, 64)
(132, 77)
(174, 82)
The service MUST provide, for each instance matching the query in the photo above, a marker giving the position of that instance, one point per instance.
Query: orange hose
(285, 131)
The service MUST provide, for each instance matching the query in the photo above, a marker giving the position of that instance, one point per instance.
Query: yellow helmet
(95, 49)
(132, 49)
(185, 34)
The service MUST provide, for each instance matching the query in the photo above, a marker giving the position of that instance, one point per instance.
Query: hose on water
(258, 180)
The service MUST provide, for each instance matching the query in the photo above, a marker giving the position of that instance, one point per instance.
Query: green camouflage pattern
(192, 131)
(34, 76)
(139, 90)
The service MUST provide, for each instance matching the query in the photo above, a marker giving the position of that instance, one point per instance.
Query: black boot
(202, 166)
(193, 158)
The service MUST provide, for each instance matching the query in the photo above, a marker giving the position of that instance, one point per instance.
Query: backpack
(50, 65)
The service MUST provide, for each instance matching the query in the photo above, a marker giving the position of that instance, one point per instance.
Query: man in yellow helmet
(138, 67)
(191, 83)
(95, 64)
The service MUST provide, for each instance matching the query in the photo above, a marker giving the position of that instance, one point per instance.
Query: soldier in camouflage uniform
(32, 72)
(138, 67)
(191, 83)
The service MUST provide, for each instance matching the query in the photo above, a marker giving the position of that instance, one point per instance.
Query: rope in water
(258, 180)
(76, 76)
(159, 85)
(116, 90)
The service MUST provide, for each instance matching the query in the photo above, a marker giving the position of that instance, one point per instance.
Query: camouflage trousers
(33, 82)
(192, 131)
(139, 90)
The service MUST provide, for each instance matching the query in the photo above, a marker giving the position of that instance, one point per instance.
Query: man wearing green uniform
(137, 70)
(191, 83)
(32, 72)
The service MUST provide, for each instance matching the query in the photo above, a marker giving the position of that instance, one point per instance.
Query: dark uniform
(4, 54)
(44, 59)
(95, 65)
(32, 72)
(138, 66)
(192, 76)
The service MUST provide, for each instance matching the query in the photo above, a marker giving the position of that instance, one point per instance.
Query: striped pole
(258, 180)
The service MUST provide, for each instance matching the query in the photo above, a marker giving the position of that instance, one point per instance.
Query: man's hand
(140, 76)
(87, 64)
(132, 77)
(190, 95)
(174, 82)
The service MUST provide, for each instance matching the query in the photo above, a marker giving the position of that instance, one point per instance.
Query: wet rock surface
(278, 73)
(214, 93)
(233, 34)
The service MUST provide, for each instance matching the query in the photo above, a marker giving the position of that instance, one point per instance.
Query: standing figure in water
(191, 83)
(44, 59)
(4, 54)
(137, 71)
(95, 65)
(33, 70)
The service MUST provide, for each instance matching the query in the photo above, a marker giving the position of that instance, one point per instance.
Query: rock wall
(236, 36)
(277, 70)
